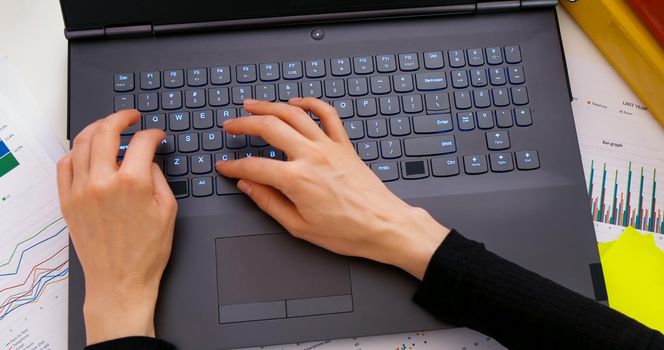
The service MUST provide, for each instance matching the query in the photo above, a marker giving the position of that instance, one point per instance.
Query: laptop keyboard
(403, 112)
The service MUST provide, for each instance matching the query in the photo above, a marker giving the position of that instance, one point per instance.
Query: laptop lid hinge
(511, 5)
(111, 32)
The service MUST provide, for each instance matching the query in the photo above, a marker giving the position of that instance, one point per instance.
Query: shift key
(429, 145)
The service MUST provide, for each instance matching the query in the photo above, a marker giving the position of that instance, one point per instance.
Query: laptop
(462, 107)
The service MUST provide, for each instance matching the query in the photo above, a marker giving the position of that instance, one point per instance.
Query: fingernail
(250, 101)
(295, 99)
(244, 187)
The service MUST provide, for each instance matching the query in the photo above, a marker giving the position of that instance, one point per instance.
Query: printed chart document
(33, 235)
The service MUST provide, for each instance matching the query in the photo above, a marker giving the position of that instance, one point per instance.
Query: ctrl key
(387, 171)
(179, 188)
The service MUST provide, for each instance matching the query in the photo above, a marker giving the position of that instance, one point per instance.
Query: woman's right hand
(324, 193)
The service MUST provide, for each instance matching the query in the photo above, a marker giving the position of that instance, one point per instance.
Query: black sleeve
(132, 343)
(467, 285)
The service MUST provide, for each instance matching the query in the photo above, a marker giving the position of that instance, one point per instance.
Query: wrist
(117, 312)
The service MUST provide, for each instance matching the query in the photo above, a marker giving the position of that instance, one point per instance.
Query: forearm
(469, 286)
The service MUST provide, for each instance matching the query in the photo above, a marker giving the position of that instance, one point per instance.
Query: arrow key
(501, 162)
(498, 140)
(527, 160)
(475, 164)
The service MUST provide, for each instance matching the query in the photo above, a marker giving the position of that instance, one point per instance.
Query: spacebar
(429, 145)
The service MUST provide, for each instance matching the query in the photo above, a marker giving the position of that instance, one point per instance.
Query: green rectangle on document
(7, 163)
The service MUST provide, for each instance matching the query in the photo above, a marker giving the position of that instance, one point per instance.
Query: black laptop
(462, 107)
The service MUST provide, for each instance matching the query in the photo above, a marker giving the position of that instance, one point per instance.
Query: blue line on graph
(25, 250)
(45, 280)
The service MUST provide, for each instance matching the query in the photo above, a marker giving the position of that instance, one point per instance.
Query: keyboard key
(124, 145)
(466, 121)
(248, 153)
(367, 150)
(386, 63)
(497, 76)
(201, 164)
(456, 58)
(377, 128)
(494, 55)
(523, 116)
(340, 66)
(167, 145)
(478, 77)
(501, 162)
(220, 75)
(475, 57)
(414, 169)
(236, 141)
(366, 107)
(171, 100)
(500, 97)
(179, 188)
(201, 186)
(430, 124)
(434, 60)
(174, 78)
(344, 108)
(475, 164)
(188, 143)
(363, 65)
(203, 119)
(123, 82)
(527, 160)
(288, 91)
(211, 140)
(498, 140)
(515, 75)
(224, 114)
(519, 95)
(431, 81)
(459, 79)
(354, 129)
(386, 171)
(504, 118)
(197, 76)
(245, 73)
(273, 153)
(315, 68)
(266, 92)
(242, 112)
(154, 121)
(437, 102)
(429, 145)
(269, 71)
(241, 93)
(380, 85)
(408, 62)
(444, 166)
(390, 105)
(226, 186)
(223, 156)
(335, 88)
(150, 80)
(482, 98)
(485, 119)
(257, 141)
(195, 98)
(390, 149)
(218, 97)
(292, 70)
(462, 100)
(357, 86)
(512, 54)
(412, 103)
(123, 102)
(176, 166)
(400, 126)
(403, 83)
(178, 121)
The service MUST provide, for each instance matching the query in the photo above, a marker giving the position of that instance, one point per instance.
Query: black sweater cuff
(132, 343)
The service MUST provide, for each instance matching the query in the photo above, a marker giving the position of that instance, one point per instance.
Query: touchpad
(277, 276)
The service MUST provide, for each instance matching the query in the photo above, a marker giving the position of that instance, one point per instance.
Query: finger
(80, 153)
(273, 203)
(327, 114)
(162, 191)
(292, 115)
(265, 171)
(272, 129)
(106, 141)
(65, 175)
(140, 152)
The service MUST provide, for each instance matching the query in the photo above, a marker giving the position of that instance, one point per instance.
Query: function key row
(452, 166)
(249, 73)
